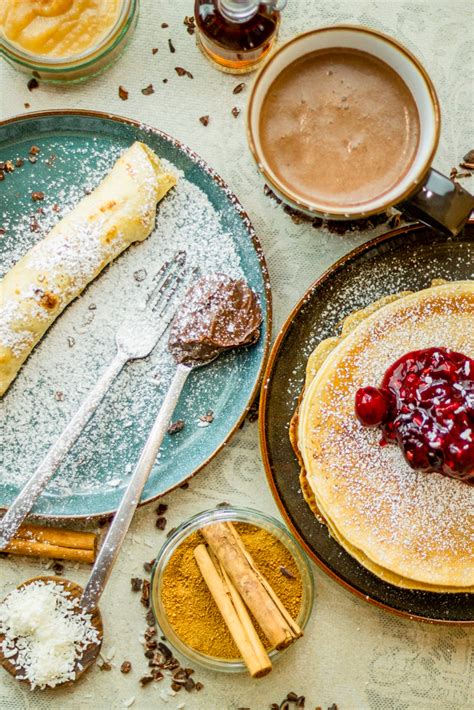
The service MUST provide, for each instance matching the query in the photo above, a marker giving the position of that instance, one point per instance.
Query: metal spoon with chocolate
(218, 313)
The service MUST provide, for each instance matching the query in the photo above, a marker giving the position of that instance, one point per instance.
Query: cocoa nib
(181, 71)
(176, 426)
(469, 157)
(148, 90)
(268, 192)
(165, 651)
(171, 46)
(154, 50)
(123, 93)
(136, 583)
(146, 679)
(235, 111)
(37, 196)
(161, 523)
(126, 667)
(147, 566)
(145, 598)
(204, 120)
(292, 700)
(161, 508)
(239, 88)
(32, 84)
(286, 572)
(190, 24)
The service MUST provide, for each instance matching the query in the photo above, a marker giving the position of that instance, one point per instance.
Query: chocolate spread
(218, 313)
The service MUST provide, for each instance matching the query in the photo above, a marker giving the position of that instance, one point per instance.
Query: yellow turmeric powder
(190, 608)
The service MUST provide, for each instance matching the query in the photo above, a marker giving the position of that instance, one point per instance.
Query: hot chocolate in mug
(344, 122)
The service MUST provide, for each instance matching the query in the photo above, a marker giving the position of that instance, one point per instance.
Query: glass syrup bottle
(237, 35)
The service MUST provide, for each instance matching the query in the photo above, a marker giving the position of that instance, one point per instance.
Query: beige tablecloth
(352, 654)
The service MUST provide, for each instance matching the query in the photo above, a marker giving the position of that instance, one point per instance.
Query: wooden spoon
(89, 655)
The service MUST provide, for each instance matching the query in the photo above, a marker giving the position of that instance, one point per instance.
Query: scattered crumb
(123, 93)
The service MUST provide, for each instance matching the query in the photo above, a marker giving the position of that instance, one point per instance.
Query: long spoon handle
(123, 517)
(33, 488)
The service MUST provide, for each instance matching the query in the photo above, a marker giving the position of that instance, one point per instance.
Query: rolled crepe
(120, 211)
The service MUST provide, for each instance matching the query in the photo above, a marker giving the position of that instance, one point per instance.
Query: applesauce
(58, 28)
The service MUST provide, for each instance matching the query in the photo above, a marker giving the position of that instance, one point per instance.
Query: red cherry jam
(425, 404)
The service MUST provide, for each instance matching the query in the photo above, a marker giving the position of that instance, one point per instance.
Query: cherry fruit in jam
(425, 404)
(371, 406)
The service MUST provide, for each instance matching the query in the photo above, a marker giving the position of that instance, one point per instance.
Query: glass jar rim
(193, 524)
(89, 56)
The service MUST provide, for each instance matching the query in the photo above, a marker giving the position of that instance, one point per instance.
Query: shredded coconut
(45, 633)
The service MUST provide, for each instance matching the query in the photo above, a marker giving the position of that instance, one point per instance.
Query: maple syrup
(237, 35)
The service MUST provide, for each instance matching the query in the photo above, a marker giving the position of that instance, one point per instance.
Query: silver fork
(135, 339)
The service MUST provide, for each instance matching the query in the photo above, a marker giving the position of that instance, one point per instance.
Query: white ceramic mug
(422, 192)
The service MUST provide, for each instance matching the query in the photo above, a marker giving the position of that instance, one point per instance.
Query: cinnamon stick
(234, 613)
(55, 543)
(246, 622)
(274, 620)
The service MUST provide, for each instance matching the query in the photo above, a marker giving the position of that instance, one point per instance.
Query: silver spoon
(123, 517)
(207, 325)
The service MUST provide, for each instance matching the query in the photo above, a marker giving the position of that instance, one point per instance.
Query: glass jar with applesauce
(65, 40)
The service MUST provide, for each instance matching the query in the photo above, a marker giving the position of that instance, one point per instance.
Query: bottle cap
(238, 10)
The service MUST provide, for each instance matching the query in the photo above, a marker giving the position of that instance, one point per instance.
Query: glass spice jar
(237, 35)
(187, 528)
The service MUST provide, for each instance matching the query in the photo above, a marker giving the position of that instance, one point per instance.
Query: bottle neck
(238, 11)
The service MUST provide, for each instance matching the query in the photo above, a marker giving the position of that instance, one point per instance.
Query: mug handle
(440, 203)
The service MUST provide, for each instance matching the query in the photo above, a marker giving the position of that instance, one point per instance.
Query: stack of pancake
(413, 529)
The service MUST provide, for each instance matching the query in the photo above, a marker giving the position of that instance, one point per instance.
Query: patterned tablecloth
(352, 654)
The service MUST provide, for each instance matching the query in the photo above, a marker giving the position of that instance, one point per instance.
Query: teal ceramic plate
(77, 148)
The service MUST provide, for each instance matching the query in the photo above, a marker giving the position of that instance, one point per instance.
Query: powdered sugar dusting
(425, 517)
(77, 246)
(66, 364)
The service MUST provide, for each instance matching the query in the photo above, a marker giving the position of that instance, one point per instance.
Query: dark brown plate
(405, 259)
